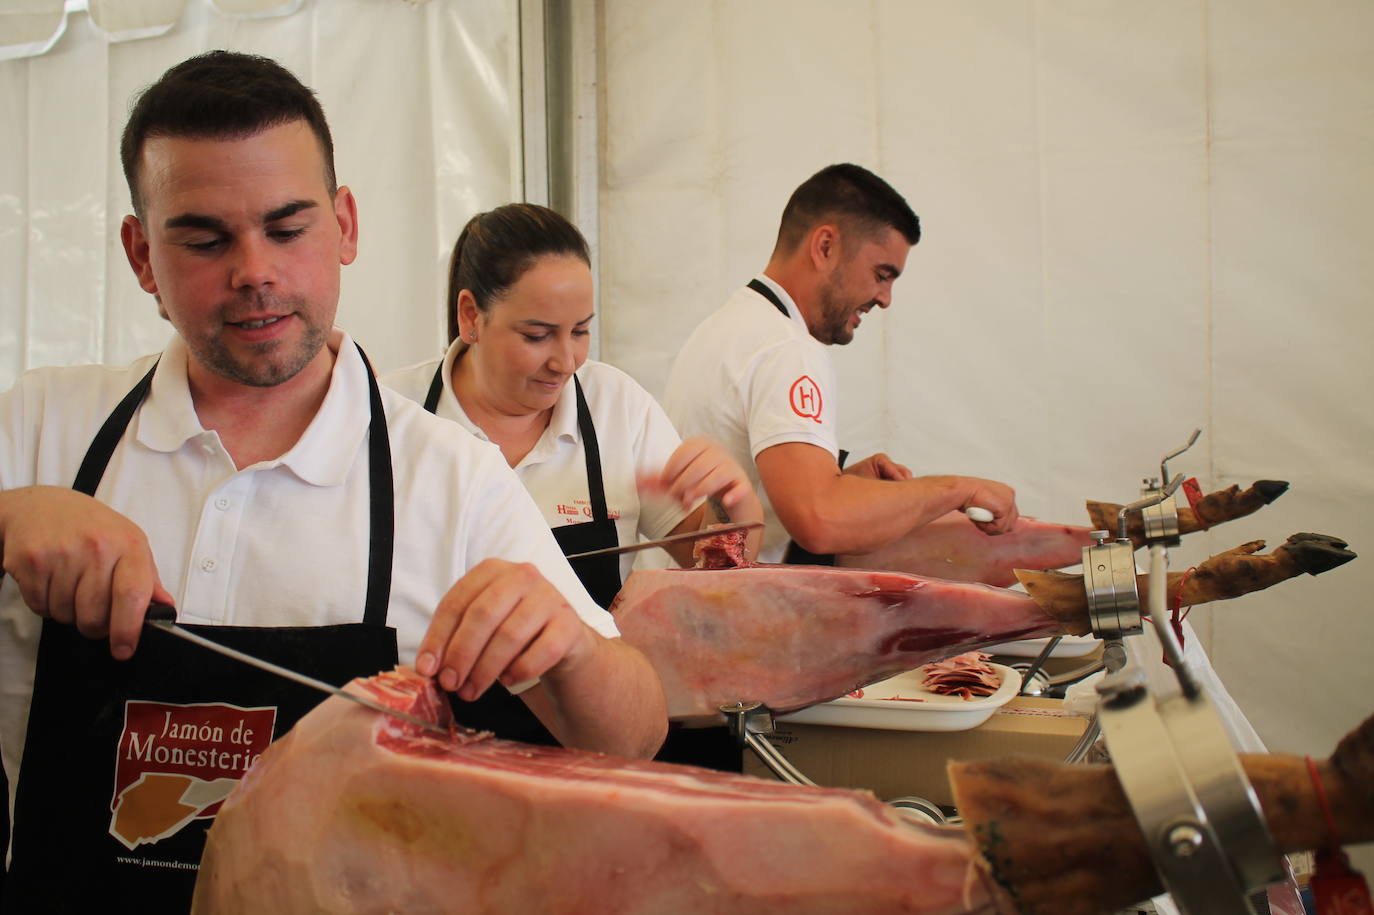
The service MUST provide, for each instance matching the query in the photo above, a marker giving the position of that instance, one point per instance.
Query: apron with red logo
(126, 763)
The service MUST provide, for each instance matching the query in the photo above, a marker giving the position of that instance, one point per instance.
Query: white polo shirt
(632, 432)
(280, 543)
(751, 378)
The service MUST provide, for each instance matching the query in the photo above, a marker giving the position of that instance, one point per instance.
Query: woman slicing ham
(596, 452)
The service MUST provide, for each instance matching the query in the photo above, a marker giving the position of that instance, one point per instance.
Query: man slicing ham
(843, 241)
(255, 476)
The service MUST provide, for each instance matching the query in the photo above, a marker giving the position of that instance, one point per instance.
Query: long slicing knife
(675, 538)
(164, 617)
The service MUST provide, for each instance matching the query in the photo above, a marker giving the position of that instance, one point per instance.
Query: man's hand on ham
(76, 560)
(700, 469)
(998, 498)
(879, 467)
(501, 621)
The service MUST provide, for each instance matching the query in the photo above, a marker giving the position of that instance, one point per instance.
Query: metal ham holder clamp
(1196, 809)
(1109, 576)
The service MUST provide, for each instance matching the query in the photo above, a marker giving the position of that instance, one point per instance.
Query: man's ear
(823, 247)
(346, 212)
(136, 250)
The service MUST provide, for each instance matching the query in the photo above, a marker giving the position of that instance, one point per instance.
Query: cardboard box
(895, 764)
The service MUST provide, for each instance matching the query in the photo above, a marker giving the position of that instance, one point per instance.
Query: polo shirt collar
(793, 311)
(562, 424)
(322, 456)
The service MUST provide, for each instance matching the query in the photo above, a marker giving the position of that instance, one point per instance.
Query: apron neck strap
(762, 289)
(381, 505)
(436, 387)
(381, 488)
(591, 453)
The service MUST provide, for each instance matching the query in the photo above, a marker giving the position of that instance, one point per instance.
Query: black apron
(600, 575)
(796, 555)
(496, 710)
(125, 762)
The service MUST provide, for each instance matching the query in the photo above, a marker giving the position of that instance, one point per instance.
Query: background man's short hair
(221, 95)
(851, 196)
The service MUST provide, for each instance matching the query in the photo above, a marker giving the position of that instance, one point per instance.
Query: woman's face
(531, 340)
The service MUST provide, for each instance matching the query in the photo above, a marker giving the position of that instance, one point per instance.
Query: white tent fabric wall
(423, 105)
(1140, 218)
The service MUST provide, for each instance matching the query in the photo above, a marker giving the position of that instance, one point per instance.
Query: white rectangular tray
(1071, 646)
(877, 707)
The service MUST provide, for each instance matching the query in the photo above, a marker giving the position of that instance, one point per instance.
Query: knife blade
(674, 538)
(163, 616)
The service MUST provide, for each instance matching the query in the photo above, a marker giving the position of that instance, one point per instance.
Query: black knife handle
(160, 612)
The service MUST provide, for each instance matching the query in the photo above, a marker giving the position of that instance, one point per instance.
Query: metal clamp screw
(1184, 840)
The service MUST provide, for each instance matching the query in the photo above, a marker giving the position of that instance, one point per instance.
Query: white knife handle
(978, 513)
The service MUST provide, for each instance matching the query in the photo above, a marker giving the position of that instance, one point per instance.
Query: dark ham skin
(793, 636)
(1063, 840)
(353, 812)
(1222, 577)
(1212, 509)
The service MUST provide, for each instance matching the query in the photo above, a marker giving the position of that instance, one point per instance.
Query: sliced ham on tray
(967, 675)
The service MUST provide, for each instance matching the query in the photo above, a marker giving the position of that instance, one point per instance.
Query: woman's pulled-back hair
(495, 249)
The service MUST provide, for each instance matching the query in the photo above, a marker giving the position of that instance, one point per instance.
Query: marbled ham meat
(354, 812)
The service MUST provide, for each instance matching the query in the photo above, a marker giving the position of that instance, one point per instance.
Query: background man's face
(867, 268)
(241, 244)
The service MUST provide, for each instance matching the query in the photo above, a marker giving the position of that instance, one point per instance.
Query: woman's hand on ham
(501, 621)
(698, 470)
(78, 561)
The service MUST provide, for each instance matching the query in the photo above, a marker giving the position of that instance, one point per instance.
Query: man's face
(862, 278)
(241, 245)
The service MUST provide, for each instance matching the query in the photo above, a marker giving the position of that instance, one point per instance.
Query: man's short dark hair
(851, 196)
(221, 95)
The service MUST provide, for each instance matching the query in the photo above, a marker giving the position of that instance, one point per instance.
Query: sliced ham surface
(967, 675)
(793, 636)
(952, 548)
(354, 812)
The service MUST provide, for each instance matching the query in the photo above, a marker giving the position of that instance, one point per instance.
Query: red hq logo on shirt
(805, 398)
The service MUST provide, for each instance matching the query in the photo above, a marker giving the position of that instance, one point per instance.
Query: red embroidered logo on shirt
(805, 398)
(177, 763)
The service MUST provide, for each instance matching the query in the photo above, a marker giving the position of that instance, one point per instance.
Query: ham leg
(1213, 508)
(793, 636)
(352, 812)
(1063, 840)
(952, 548)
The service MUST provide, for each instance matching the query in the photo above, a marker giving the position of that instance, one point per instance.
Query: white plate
(1071, 646)
(877, 708)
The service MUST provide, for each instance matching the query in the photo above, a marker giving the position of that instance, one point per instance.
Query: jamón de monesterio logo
(177, 763)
